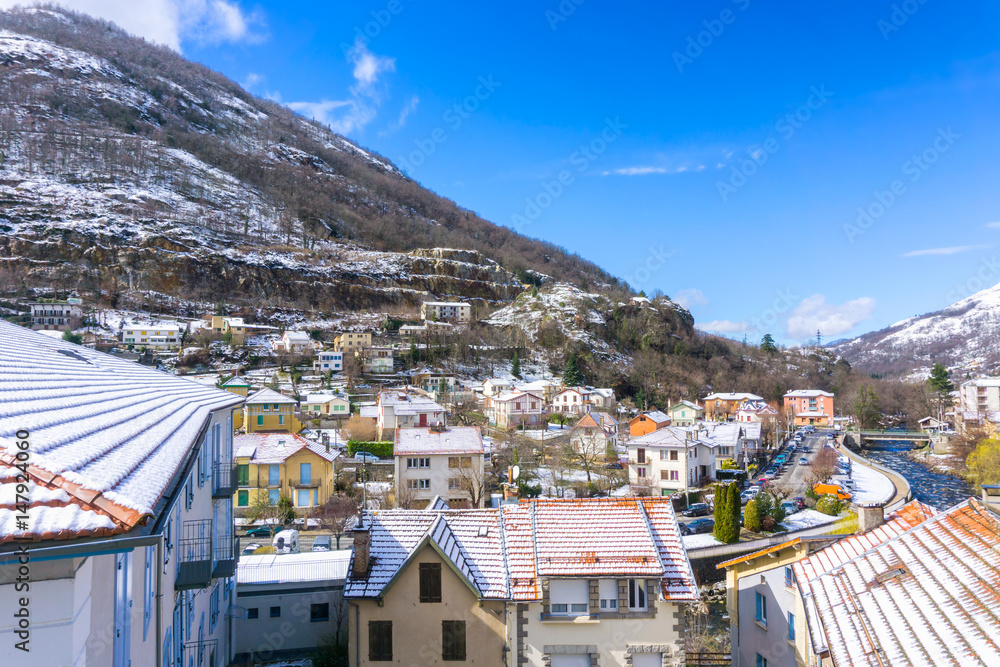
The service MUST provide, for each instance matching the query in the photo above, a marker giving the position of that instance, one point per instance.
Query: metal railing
(224, 479)
(225, 556)
(194, 561)
(200, 654)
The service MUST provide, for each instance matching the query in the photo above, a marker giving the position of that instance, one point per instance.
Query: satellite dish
(516, 472)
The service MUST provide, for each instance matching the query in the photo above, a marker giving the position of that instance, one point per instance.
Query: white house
(155, 336)
(495, 386)
(572, 400)
(515, 408)
(335, 405)
(331, 361)
(294, 342)
(440, 461)
(401, 408)
(446, 311)
(56, 315)
(131, 562)
(671, 459)
(377, 359)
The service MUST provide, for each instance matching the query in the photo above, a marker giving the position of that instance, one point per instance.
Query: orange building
(647, 422)
(809, 407)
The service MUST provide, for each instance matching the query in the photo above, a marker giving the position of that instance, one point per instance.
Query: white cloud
(993, 225)
(404, 113)
(366, 95)
(952, 250)
(814, 313)
(170, 22)
(252, 79)
(646, 170)
(724, 326)
(689, 297)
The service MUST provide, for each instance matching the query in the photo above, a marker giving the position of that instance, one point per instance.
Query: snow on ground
(872, 486)
(700, 541)
(806, 519)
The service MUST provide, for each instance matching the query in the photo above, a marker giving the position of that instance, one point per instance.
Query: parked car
(250, 548)
(614, 466)
(803, 461)
(321, 543)
(701, 526)
(286, 541)
(365, 457)
(791, 507)
(697, 509)
(800, 501)
(261, 531)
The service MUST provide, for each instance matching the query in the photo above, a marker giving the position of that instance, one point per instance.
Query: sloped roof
(806, 393)
(268, 448)
(688, 404)
(297, 337)
(107, 435)
(512, 395)
(928, 596)
(733, 396)
(325, 398)
(654, 415)
(236, 381)
(452, 440)
(266, 395)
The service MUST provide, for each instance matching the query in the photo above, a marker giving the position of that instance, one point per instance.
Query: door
(647, 659)
(123, 609)
(423, 419)
(571, 660)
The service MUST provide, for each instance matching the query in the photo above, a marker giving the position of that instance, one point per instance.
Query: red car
(800, 501)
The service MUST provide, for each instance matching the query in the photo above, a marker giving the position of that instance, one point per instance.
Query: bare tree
(360, 428)
(262, 508)
(336, 514)
(474, 482)
(559, 466)
(587, 447)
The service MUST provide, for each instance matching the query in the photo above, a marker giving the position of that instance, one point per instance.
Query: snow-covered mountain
(125, 167)
(963, 336)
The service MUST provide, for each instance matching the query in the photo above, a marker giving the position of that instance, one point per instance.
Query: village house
(647, 422)
(809, 407)
(267, 410)
(440, 461)
(723, 406)
(333, 405)
(131, 562)
(294, 342)
(152, 336)
(405, 408)
(377, 359)
(571, 401)
(978, 405)
(515, 409)
(685, 413)
(284, 465)
(547, 389)
(446, 311)
(671, 459)
(410, 334)
(495, 386)
(438, 383)
(769, 621)
(237, 385)
(329, 361)
(756, 411)
(237, 329)
(55, 315)
(728, 438)
(543, 583)
(594, 434)
(352, 341)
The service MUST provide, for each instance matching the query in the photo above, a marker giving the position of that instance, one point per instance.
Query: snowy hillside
(963, 336)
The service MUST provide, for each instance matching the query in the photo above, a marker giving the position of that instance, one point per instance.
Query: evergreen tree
(572, 377)
(941, 385)
(734, 513)
(767, 343)
(751, 516)
(515, 365)
(534, 292)
(727, 513)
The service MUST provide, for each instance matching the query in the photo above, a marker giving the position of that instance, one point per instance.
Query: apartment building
(377, 359)
(329, 361)
(55, 315)
(153, 336)
(405, 408)
(670, 459)
(809, 407)
(516, 409)
(129, 522)
(439, 461)
(267, 410)
(351, 341)
(284, 465)
(722, 406)
(978, 404)
(446, 311)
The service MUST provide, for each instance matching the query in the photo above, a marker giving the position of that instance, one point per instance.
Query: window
(674, 476)
(272, 496)
(243, 474)
(260, 420)
(425, 484)
(380, 641)
(252, 612)
(273, 475)
(789, 577)
(761, 608)
(150, 597)
(454, 483)
(636, 594)
(213, 613)
(608, 594)
(413, 483)
(673, 454)
(640, 472)
(243, 498)
(453, 640)
(305, 473)
(640, 455)
(275, 612)
(281, 420)
(761, 661)
(319, 612)
(411, 463)
(304, 498)
(569, 596)
(430, 582)
(791, 627)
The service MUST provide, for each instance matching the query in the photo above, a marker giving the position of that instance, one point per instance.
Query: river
(929, 487)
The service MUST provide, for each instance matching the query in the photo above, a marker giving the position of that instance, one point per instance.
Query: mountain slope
(966, 334)
(125, 167)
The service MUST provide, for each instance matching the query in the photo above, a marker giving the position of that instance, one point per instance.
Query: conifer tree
(515, 365)
(572, 377)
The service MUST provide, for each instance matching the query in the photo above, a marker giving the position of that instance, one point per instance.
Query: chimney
(326, 442)
(510, 489)
(991, 496)
(362, 540)
(870, 517)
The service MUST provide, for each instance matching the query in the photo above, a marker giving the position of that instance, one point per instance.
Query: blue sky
(722, 152)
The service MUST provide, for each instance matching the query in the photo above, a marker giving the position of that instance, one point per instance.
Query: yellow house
(336, 405)
(267, 410)
(284, 465)
(237, 385)
(352, 341)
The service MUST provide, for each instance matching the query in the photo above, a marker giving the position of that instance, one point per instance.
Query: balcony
(225, 556)
(224, 482)
(204, 652)
(194, 563)
(311, 483)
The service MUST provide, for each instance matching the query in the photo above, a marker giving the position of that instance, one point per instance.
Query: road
(306, 539)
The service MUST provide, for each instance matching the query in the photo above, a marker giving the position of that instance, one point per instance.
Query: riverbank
(902, 491)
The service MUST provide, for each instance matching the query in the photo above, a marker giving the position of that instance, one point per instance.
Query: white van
(286, 542)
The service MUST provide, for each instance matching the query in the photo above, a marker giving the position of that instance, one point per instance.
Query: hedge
(383, 450)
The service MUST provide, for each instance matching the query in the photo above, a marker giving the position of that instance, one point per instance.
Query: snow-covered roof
(655, 415)
(752, 430)
(266, 396)
(324, 398)
(688, 404)
(540, 538)
(671, 436)
(107, 436)
(807, 393)
(447, 303)
(236, 381)
(293, 568)
(927, 595)
(811, 414)
(268, 448)
(982, 382)
(297, 337)
(152, 327)
(732, 396)
(513, 395)
(451, 440)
